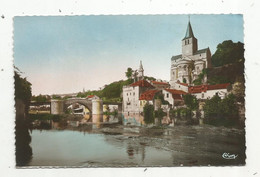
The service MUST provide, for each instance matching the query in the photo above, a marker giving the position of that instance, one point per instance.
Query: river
(113, 143)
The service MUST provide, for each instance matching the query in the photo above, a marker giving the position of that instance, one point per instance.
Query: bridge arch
(94, 106)
(84, 102)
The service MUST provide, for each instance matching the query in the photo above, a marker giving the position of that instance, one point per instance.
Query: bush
(159, 113)
(221, 112)
(148, 113)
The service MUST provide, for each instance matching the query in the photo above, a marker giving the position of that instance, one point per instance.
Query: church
(187, 66)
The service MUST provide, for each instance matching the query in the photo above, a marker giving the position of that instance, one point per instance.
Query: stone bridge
(94, 106)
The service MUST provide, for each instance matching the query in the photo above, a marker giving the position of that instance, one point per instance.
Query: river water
(109, 142)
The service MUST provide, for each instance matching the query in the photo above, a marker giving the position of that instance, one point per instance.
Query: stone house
(174, 97)
(131, 95)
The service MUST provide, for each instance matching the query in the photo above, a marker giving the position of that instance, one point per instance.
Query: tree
(212, 107)
(228, 52)
(148, 113)
(228, 107)
(222, 112)
(129, 73)
(191, 102)
(23, 90)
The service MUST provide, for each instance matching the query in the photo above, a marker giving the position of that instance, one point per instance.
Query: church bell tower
(189, 42)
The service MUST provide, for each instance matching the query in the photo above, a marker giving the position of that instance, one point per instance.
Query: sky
(66, 54)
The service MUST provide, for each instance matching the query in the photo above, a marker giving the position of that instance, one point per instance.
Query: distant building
(131, 94)
(92, 97)
(174, 97)
(186, 67)
(160, 85)
(208, 91)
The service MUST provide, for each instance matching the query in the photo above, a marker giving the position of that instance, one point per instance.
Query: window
(167, 95)
(134, 93)
(202, 95)
(130, 93)
(127, 94)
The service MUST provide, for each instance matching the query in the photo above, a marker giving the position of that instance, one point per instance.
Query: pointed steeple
(140, 72)
(141, 66)
(189, 32)
(189, 42)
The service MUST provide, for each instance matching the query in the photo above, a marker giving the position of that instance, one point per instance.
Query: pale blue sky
(65, 54)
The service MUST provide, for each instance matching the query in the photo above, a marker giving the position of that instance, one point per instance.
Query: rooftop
(148, 95)
(160, 83)
(173, 91)
(189, 32)
(204, 88)
(202, 51)
(142, 83)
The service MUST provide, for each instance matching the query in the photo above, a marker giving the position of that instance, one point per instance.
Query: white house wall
(210, 93)
(131, 95)
(169, 98)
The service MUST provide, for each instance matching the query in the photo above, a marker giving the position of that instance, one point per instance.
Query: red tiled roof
(148, 95)
(142, 83)
(160, 83)
(90, 96)
(218, 86)
(204, 88)
(178, 92)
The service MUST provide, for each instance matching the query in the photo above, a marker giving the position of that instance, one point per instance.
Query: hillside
(228, 73)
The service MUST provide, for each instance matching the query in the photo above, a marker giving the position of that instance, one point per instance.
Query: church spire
(189, 32)
(141, 71)
(141, 66)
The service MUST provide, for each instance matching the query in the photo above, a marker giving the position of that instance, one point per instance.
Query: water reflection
(113, 141)
(95, 121)
(138, 120)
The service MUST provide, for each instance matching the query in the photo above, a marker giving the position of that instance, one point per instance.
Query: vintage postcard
(129, 90)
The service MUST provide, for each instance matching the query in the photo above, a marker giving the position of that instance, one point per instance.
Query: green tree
(148, 113)
(159, 113)
(149, 78)
(129, 73)
(23, 90)
(228, 107)
(23, 151)
(191, 102)
(228, 52)
(212, 107)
